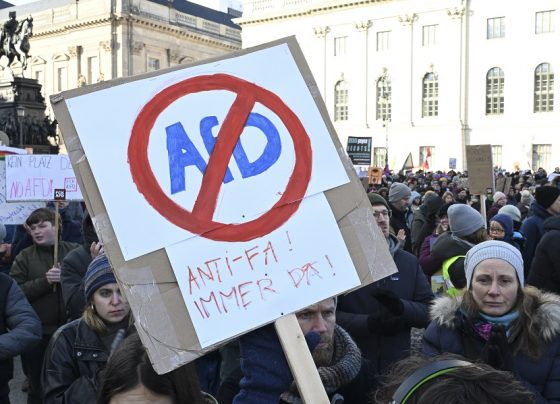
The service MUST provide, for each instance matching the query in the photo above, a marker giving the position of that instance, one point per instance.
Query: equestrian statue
(14, 39)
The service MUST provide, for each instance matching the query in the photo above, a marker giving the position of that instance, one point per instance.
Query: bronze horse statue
(19, 46)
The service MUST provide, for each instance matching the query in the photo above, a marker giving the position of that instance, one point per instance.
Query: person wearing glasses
(501, 228)
(379, 316)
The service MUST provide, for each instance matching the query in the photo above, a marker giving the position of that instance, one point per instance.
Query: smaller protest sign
(34, 177)
(359, 150)
(481, 171)
(12, 212)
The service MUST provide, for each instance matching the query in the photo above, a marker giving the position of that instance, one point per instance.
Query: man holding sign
(38, 275)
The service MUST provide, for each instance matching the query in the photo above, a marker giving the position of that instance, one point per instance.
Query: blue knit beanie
(506, 222)
(99, 273)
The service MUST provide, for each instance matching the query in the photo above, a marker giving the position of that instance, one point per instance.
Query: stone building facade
(429, 77)
(83, 42)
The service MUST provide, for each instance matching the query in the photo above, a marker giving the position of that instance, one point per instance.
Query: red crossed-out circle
(200, 220)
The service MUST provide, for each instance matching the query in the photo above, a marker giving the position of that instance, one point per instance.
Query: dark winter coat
(355, 392)
(449, 326)
(353, 310)
(398, 222)
(20, 328)
(533, 230)
(545, 270)
(72, 363)
(424, 222)
(28, 270)
(447, 246)
(73, 269)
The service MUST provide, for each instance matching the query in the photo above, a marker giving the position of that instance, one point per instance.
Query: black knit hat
(376, 199)
(546, 195)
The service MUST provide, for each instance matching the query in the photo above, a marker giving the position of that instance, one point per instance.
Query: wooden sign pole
(301, 363)
(56, 230)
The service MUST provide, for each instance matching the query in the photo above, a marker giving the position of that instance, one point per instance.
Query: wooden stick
(483, 208)
(56, 230)
(301, 363)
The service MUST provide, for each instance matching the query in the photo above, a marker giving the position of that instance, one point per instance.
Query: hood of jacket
(552, 223)
(547, 315)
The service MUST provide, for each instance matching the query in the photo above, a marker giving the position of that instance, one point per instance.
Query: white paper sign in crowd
(224, 165)
(13, 212)
(34, 177)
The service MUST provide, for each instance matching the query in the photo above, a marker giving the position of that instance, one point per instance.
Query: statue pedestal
(35, 128)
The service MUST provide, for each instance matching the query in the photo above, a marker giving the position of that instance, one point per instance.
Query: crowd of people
(483, 290)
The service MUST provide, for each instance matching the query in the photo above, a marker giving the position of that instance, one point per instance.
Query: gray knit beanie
(398, 191)
(464, 220)
(497, 250)
(511, 211)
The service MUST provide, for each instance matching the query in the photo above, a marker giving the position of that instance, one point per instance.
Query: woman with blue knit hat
(500, 322)
(79, 350)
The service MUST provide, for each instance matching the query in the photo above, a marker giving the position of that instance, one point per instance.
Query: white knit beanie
(493, 249)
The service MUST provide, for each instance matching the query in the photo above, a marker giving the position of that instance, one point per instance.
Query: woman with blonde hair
(499, 322)
(79, 350)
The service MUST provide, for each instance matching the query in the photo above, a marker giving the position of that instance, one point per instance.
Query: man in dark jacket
(74, 267)
(545, 270)
(266, 376)
(380, 316)
(20, 330)
(547, 204)
(38, 276)
(399, 196)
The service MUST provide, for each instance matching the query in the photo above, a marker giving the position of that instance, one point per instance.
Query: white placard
(13, 212)
(34, 177)
(233, 287)
(178, 117)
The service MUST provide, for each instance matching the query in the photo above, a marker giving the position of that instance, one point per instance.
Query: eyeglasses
(386, 214)
(496, 230)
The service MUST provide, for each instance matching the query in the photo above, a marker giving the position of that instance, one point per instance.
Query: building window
(383, 41)
(425, 157)
(40, 77)
(495, 91)
(383, 97)
(340, 101)
(93, 69)
(340, 46)
(497, 155)
(544, 22)
(429, 33)
(430, 95)
(496, 28)
(544, 88)
(153, 64)
(61, 78)
(379, 156)
(541, 156)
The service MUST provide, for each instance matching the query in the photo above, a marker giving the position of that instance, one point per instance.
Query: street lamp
(20, 111)
(385, 110)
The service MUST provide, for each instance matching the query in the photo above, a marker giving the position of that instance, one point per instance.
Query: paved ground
(16, 395)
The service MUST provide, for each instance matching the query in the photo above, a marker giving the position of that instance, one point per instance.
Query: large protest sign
(34, 177)
(226, 201)
(12, 212)
(480, 168)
